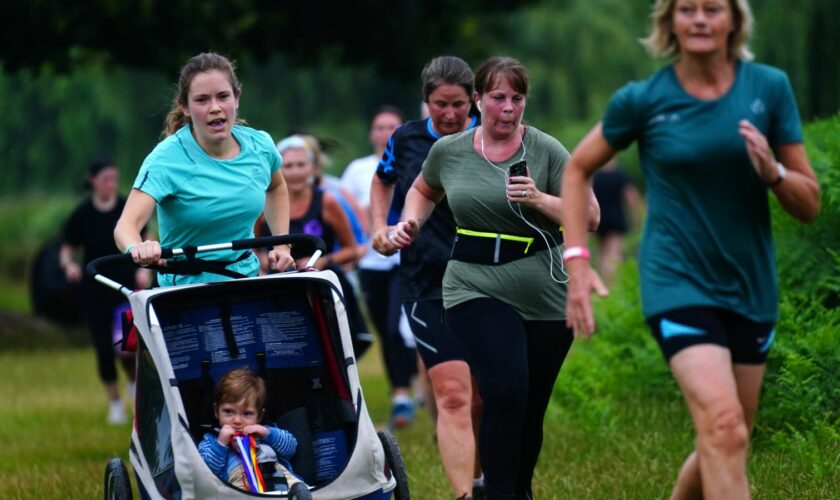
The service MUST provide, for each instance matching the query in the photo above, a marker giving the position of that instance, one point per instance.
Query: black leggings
(100, 305)
(515, 363)
(382, 295)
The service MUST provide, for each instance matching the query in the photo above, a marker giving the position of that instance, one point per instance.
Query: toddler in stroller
(239, 407)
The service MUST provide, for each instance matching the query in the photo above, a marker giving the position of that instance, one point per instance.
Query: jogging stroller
(289, 328)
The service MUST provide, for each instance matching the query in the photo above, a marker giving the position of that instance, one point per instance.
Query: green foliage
(14, 296)
(620, 365)
(161, 34)
(568, 64)
(808, 261)
(55, 125)
(25, 224)
(802, 393)
(810, 31)
(112, 99)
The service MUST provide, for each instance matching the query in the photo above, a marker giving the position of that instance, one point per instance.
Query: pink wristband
(575, 253)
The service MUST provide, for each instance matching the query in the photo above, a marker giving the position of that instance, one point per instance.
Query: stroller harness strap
(227, 327)
(192, 265)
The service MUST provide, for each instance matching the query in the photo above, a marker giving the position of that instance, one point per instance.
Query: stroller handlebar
(94, 266)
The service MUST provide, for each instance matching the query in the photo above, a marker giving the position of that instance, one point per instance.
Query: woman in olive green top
(504, 290)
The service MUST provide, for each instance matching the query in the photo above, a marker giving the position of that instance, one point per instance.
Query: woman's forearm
(66, 255)
(420, 201)
(334, 216)
(581, 211)
(136, 214)
(576, 210)
(277, 207)
(381, 197)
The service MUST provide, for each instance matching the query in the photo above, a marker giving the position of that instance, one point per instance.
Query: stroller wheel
(395, 464)
(117, 483)
(299, 491)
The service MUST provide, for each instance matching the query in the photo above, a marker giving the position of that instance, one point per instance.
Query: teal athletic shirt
(203, 200)
(707, 239)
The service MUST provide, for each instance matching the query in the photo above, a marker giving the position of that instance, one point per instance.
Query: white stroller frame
(374, 469)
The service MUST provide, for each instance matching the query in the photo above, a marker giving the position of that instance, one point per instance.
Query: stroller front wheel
(395, 463)
(299, 491)
(117, 483)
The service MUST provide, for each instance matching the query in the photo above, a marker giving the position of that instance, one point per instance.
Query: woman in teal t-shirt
(715, 132)
(209, 178)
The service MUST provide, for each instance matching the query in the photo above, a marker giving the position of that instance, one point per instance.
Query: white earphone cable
(518, 212)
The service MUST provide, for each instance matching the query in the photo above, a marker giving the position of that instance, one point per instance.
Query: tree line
(96, 78)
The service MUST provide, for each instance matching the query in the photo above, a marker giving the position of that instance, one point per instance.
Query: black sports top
(423, 263)
(313, 223)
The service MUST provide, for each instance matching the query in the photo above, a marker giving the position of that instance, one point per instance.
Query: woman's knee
(723, 429)
(452, 386)
(452, 395)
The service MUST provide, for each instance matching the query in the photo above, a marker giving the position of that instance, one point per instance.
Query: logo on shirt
(664, 118)
(255, 172)
(757, 107)
(314, 228)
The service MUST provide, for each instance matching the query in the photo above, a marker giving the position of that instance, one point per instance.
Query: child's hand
(256, 430)
(225, 434)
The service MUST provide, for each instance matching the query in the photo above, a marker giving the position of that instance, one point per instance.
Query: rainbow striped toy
(246, 449)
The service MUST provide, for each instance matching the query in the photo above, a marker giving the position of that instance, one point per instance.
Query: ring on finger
(524, 193)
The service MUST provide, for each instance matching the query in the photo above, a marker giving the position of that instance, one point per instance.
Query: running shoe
(116, 413)
(402, 414)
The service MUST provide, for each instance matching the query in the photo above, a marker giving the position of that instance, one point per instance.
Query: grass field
(54, 444)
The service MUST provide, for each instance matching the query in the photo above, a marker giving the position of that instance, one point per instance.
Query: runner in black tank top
(322, 217)
(312, 223)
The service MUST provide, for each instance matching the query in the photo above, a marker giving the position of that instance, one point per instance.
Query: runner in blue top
(209, 179)
(447, 86)
(715, 134)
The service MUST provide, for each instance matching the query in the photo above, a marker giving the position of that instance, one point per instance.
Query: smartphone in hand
(518, 169)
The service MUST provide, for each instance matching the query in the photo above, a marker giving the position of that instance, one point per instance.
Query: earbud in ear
(478, 105)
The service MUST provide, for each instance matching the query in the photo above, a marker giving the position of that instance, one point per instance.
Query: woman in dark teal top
(715, 134)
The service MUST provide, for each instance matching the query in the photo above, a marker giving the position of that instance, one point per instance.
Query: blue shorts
(435, 342)
(747, 341)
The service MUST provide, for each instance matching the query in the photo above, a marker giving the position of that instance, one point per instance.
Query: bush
(25, 224)
(802, 389)
(620, 366)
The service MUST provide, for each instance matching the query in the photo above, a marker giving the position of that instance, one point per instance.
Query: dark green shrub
(25, 224)
(802, 389)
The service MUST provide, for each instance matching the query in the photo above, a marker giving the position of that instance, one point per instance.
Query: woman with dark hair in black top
(90, 230)
(447, 86)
